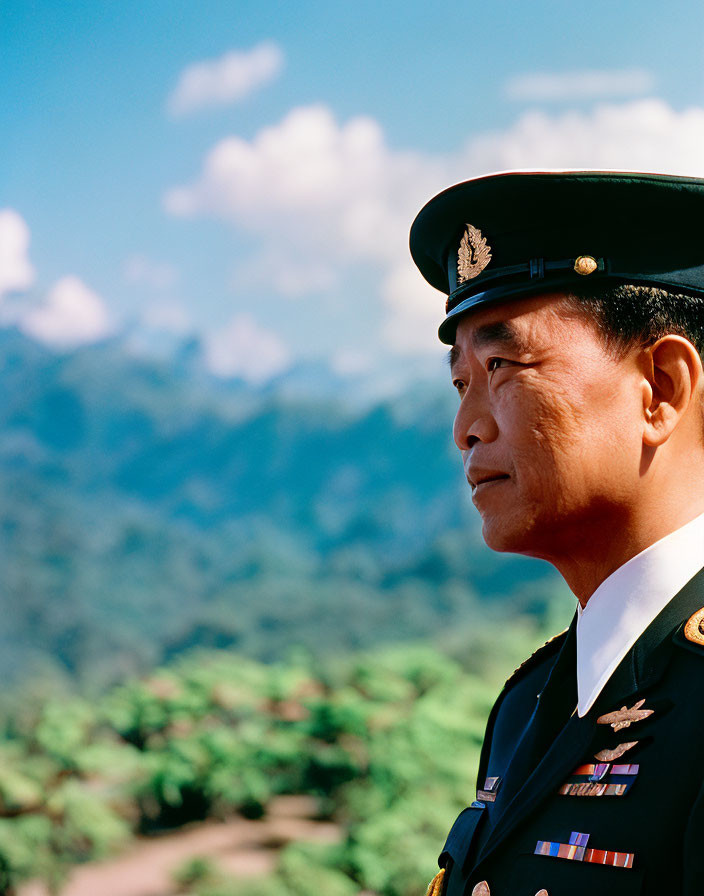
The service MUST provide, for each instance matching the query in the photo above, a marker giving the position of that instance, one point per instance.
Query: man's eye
(493, 363)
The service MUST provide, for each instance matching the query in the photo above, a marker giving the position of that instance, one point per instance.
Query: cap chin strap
(536, 269)
(512, 291)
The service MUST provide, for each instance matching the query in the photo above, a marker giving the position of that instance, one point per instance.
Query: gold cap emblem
(585, 265)
(473, 255)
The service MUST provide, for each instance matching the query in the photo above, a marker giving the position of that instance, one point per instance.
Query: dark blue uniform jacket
(643, 834)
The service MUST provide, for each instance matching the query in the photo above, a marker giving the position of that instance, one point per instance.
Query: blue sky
(268, 208)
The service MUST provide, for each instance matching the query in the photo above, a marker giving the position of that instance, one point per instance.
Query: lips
(477, 479)
(478, 475)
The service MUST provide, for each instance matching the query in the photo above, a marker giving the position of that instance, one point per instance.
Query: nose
(474, 422)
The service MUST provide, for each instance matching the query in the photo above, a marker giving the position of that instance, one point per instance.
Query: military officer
(575, 316)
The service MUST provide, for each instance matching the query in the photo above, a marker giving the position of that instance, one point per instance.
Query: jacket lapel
(553, 707)
(641, 668)
(564, 755)
(560, 756)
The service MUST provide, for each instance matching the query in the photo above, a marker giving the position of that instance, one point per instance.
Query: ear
(672, 383)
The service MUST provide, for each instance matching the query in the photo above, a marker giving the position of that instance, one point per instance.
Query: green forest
(216, 596)
(386, 744)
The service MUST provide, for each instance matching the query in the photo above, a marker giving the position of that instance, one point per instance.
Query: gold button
(585, 265)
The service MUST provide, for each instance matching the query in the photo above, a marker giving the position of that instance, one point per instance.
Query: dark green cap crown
(505, 236)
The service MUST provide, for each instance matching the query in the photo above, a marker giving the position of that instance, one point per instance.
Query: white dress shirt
(625, 604)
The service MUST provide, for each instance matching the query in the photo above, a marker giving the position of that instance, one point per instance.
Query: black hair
(631, 315)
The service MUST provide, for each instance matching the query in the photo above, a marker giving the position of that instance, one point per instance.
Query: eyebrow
(453, 356)
(500, 332)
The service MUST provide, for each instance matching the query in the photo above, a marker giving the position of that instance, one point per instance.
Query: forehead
(520, 326)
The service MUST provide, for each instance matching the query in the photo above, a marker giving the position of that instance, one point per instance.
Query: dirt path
(237, 846)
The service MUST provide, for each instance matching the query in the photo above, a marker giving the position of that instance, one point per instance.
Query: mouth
(480, 475)
(487, 480)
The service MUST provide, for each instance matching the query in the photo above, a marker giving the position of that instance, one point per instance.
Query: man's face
(549, 425)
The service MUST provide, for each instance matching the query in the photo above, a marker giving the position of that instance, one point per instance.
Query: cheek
(610, 421)
(536, 423)
(577, 439)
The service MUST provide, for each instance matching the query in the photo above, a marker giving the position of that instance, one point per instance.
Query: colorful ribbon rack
(602, 779)
(577, 851)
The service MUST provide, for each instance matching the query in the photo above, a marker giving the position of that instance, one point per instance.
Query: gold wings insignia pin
(616, 753)
(473, 255)
(624, 717)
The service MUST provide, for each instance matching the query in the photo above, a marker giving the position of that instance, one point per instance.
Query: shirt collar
(625, 604)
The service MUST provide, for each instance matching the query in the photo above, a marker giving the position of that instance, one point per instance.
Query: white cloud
(244, 349)
(414, 310)
(322, 197)
(146, 272)
(293, 280)
(309, 183)
(228, 79)
(16, 272)
(71, 315)
(579, 85)
(168, 316)
(643, 135)
(160, 332)
(284, 274)
(316, 192)
(352, 362)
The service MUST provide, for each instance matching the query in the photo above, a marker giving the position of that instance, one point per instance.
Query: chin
(509, 536)
(503, 545)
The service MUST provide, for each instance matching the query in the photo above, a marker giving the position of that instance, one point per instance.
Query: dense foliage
(387, 743)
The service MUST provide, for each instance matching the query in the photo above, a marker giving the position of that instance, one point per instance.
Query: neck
(594, 558)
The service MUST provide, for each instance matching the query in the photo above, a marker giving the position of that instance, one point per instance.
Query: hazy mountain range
(147, 508)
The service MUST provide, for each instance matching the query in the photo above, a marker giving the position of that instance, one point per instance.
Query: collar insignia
(624, 717)
(694, 628)
(473, 255)
(488, 793)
